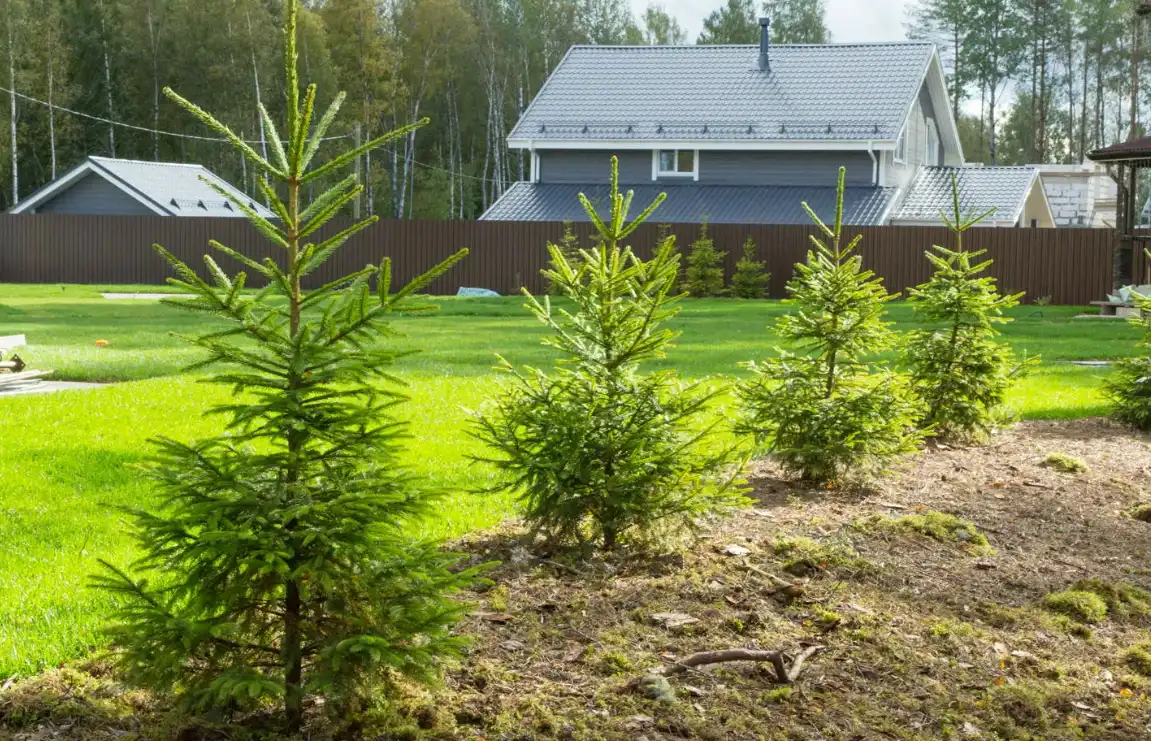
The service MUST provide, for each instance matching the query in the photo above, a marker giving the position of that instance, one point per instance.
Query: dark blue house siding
(93, 194)
(594, 166)
(786, 168)
(783, 168)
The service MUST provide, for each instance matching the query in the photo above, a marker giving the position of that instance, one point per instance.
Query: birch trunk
(155, 87)
(108, 80)
(256, 80)
(12, 116)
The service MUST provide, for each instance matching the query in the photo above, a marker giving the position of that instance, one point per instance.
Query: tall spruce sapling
(703, 276)
(1129, 385)
(750, 279)
(824, 410)
(598, 450)
(278, 563)
(959, 369)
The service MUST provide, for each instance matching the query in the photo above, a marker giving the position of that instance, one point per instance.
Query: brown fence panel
(1071, 266)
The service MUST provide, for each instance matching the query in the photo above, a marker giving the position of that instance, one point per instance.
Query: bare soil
(918, 637)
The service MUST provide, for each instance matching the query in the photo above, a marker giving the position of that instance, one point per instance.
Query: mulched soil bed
(919, 637)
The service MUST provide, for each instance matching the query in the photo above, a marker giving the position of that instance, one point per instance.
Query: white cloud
(849, 20)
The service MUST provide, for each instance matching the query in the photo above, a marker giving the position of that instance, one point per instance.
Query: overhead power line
(197, 137)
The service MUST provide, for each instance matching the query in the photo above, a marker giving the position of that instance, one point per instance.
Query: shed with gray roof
(102, 185)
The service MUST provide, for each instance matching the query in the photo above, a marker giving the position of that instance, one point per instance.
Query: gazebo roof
(1134, 150)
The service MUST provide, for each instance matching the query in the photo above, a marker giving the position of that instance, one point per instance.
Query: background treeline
(1052, 78)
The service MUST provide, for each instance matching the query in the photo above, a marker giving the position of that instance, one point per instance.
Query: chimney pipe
(765, 45)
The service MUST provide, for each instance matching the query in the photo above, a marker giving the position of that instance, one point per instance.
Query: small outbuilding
(115, 187)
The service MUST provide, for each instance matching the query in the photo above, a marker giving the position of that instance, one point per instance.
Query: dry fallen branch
(778, 659)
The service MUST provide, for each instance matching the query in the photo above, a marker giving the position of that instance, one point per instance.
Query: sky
(849, 20)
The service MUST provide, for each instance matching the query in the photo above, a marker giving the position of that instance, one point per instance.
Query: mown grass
(68, 460)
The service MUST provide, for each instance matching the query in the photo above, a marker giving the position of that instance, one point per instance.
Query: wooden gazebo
(1125, 161)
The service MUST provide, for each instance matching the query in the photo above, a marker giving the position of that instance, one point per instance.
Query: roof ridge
(97, 158)
(681, 47)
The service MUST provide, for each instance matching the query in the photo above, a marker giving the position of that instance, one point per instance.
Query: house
(742, 134)
(1080, 195)
(104, 186)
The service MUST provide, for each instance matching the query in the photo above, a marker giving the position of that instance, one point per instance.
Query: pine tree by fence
(823, 410)
(1129, 386)
(959, 370)
(704, 274)
(278, 564)
(750, 279)
(598, 450)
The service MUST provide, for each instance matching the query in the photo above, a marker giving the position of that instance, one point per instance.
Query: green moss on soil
(804, 556)
(940, 526)
(1086, 607)
(1065, 463)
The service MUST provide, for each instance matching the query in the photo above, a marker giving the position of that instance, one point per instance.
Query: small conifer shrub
(750, 279)
(703, 277)
(569, 245)
(822, 408)
(277, 564)
(1129, 386)
(957, 367)
(598, 450)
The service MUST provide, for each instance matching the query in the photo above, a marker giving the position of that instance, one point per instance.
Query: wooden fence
(1071, 266)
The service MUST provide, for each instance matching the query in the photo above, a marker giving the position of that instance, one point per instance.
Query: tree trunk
(108, 80)
(1135, 52)
(256, 80)
(12, 111)
(52, 111)
(155, 88)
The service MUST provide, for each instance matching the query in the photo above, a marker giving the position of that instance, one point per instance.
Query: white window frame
(931, 158)
(900, 153)
(657, 173)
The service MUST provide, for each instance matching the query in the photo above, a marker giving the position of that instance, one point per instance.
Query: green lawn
(64, 458)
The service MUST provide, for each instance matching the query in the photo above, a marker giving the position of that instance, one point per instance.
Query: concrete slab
(140, 296)
(46, 387)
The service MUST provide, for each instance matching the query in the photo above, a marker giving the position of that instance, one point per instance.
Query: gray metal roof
(719, 204)
(167, 188)
(812, 92)
(980, 188)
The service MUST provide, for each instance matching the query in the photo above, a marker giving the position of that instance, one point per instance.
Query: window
(932, 157)
(676, 162)
(901, 146)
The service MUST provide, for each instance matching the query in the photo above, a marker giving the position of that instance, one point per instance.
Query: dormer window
(901, 146)
(932, 159)
(676, 163)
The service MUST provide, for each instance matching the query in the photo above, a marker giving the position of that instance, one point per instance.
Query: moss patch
(805, 557)
(1086, 607)
(1065, 463)
(938, 526)
(1138, 657)
(1124, 601)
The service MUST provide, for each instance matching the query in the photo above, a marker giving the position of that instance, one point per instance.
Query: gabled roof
(166, 188)
(824, 92)
(1004, 189)
(719, 204)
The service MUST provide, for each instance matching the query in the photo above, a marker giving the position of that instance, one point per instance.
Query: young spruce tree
(278, 564)
(824, 411)
(1129, 386)
(598, 450)
(750, 279)
(959, 370)
(703, 277)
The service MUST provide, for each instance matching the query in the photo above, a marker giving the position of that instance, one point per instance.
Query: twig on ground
(561, 566)
(778, 659)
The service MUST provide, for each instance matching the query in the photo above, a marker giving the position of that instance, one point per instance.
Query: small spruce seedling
(1129, 386)
(278, 564)
(957, 367)
(822, 408)
(599, 450)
